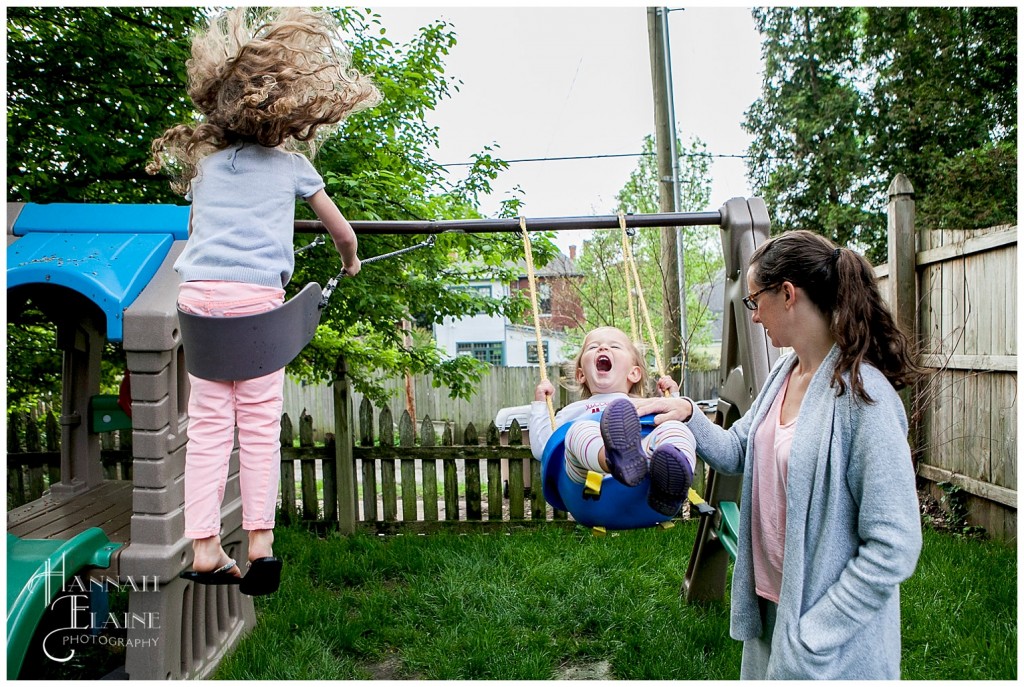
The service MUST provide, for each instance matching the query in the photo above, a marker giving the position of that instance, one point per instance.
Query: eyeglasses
(750, 302)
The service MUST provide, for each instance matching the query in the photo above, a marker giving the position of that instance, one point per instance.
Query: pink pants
(215, 408)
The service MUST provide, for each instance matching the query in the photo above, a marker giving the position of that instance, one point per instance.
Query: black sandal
(264, 577)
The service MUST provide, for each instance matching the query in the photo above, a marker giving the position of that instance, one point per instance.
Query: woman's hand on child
(668, 384)
(543, 390)
(664, 408)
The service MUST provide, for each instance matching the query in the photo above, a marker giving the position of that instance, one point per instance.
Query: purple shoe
(671, 477)
(620, 429)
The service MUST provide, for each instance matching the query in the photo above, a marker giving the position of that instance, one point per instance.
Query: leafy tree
(807, 157)
(88, 89)
(82, 113)
(944, 109)
(853, 96)
(604, 292)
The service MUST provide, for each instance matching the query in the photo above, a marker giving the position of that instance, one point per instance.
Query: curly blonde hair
(277, 80)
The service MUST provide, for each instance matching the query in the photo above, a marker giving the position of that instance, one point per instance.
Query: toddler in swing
(262, 89)
(610, 372)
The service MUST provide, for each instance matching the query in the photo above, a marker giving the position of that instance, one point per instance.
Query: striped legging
(583, 442)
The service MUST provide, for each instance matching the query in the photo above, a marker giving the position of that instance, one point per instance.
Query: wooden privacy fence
(410, 484)
(33, 456)
(957, 291)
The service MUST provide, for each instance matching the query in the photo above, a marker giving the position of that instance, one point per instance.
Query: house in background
(713, 294)
(496, 340)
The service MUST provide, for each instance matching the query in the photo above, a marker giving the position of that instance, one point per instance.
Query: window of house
(492, 352)
(531, 352)
(478, 289)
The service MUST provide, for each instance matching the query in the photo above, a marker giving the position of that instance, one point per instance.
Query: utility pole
(674, 301)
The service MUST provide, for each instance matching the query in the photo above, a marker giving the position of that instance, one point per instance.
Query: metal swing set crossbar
(491, 225)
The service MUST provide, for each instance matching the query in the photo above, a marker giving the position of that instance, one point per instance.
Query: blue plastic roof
(98, 218)
(106, 252)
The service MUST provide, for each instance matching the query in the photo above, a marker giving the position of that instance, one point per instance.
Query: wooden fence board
(538, 505)
(429, 489)
(1005, 429)
(474, 509)
(389, 490)
(369, 491)
(451, 491)
(408, 489)
(977, 427)
(495, 494)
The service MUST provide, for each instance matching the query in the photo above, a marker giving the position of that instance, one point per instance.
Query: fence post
(287, 472)
(35, 472)
(903, 263)
(344, 462)
(902, 254)
(15, 480)
(53, 446)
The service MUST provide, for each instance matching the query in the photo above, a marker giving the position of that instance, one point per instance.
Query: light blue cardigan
(853, 527)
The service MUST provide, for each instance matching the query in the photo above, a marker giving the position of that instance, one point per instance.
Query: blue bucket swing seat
(615, 507)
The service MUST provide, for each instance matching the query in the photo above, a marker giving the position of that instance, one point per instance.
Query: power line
(597, 157)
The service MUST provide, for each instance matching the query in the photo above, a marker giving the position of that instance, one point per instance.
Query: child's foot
(261, 544)
(671, 477)
(210, 557)
(620, 429)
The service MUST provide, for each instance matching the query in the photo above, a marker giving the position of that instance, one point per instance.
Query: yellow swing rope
(631, 269)
(692, 496)
(593, 486)
(531, 277)
(633, 330)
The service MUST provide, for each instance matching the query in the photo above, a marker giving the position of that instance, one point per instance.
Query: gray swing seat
(228, 349)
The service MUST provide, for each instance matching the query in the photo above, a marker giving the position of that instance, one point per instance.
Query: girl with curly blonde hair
(265, 90)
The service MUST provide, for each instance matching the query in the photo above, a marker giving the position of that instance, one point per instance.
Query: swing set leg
(708, 570)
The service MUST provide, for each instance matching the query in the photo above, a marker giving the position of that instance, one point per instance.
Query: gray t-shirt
(243, 215)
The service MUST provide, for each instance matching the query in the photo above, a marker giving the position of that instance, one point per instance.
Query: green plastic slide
(37, 570)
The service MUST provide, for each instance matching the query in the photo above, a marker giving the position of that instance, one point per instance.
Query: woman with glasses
(829, 523)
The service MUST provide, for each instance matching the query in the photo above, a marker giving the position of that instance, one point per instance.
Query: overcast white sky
(545, 82)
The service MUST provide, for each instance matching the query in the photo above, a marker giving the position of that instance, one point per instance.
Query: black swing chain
(332, 283)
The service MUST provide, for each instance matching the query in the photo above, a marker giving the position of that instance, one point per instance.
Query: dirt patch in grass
(594, 670)
(388, 669)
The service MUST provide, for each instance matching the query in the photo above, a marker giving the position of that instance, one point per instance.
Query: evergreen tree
(854, 96)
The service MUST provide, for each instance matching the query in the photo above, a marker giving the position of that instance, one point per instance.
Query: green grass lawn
(554, 602)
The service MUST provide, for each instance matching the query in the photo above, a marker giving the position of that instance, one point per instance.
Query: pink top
(772, 442)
